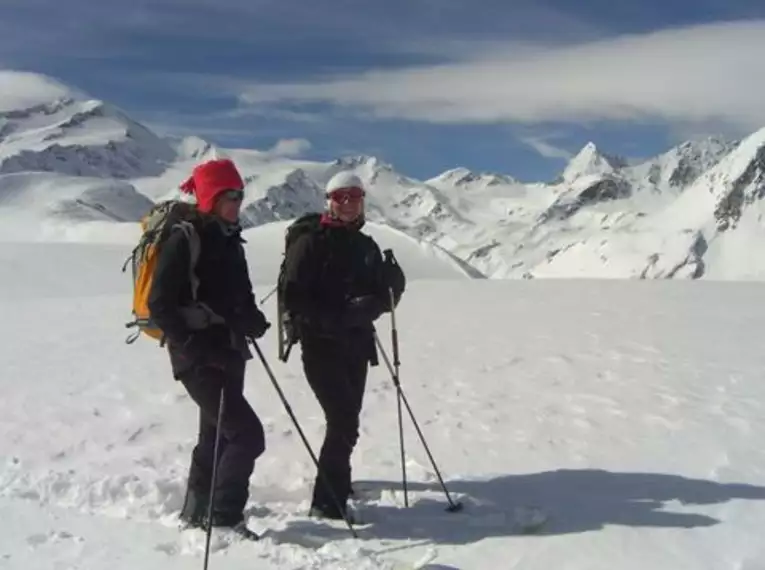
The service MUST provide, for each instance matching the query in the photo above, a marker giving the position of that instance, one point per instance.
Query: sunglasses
(343, 195)
(233, 195)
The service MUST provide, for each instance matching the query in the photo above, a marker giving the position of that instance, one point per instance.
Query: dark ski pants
(337, 375)
(242, 439)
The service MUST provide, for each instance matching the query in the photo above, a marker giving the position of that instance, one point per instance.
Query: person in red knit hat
(209, 357)
(212, 179)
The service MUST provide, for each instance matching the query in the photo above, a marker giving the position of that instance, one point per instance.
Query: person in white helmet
(335, 284)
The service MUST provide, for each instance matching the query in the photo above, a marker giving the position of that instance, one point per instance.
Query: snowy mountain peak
(298, 179)
(296, 195)
(372, 170)
(65, 131)
(454, 176)
(679, 167)
(361, 161)
(691, 158)
(194, 148)
(705, 144)
(591, 162)
(465, 178)
(731, 188)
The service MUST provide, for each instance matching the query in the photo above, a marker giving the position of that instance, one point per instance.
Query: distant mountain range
(695, 211)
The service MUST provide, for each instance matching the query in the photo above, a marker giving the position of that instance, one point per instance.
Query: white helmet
(344, 179)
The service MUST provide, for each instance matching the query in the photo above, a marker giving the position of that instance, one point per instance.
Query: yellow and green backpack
(156, 226)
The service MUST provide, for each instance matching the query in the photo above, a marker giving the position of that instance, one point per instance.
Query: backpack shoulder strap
(195, 247)
(305, 224)
(198, 315)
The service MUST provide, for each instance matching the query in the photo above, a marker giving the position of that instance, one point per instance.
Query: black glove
(256, 326)
(361, 311)
(250, 323)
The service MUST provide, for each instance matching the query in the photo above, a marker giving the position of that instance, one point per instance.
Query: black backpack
(288, 335)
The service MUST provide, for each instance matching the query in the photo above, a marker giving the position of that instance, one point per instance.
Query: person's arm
(249, 320)
(170, 287)
(300, 272)
(385, 275)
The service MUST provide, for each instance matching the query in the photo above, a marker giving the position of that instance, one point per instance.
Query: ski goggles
(343, 195)
(233, 195)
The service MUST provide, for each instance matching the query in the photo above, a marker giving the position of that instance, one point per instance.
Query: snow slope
(423, 259)
(37, 204)
(632, 412)
(94, 253)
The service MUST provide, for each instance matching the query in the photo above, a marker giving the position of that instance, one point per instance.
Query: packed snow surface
(630, 412)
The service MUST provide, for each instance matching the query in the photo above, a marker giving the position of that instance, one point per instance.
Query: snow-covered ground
(631, 412)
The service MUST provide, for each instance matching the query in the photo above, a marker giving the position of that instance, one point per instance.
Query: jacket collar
(329, 221)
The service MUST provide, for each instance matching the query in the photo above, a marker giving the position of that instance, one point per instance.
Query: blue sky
(496, 85)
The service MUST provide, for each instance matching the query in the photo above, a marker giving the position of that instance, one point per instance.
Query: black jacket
(224, 287)
(336, 284)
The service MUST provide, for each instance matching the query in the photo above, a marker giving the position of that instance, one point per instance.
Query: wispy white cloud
(692, 74)
(21, 89)
(546, 148)
(181, 129)
(269, 112)
(290, 147)
(219, 126)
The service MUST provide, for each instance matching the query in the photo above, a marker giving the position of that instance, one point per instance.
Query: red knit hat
(210, 179)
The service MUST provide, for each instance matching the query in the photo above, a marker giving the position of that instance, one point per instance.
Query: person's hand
(257, 325)
(393, 276)
(251, 324)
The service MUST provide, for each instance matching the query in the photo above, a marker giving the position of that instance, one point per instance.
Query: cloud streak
(545, 148)
(22, 90)
(290, 147)
(692, 74)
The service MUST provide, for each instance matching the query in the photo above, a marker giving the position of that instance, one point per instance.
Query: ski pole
(319, 470)
(267, 297)
(453, 507)
(216, 453)
(397, 382)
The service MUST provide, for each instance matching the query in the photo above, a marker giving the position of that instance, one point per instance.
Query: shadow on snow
(577, 501)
